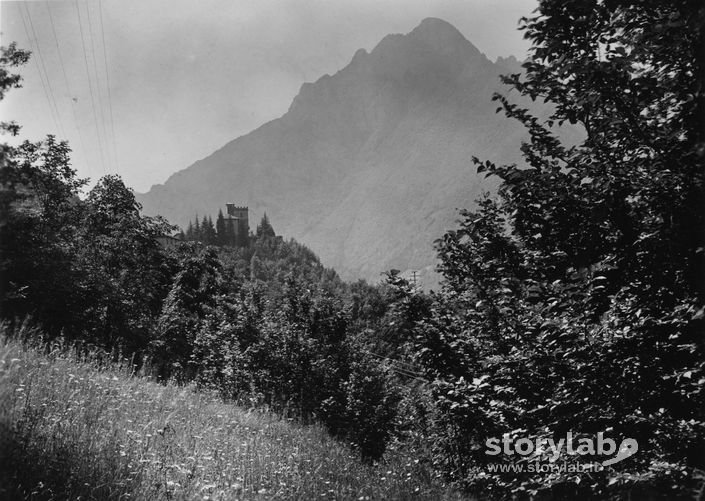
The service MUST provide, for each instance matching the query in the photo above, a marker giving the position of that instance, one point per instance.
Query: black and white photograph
(352, 250)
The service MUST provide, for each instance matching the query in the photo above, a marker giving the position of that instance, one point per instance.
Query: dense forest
(573, 298)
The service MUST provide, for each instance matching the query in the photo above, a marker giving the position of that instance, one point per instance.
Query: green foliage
(40, 211)
(91, 268)
(10, 58)
(574, 301)
(265, 324)
(192, 292)
(120, 435)
(262, 323)
(370, 408)
(220, 349)
(291, 352)
(125, 271)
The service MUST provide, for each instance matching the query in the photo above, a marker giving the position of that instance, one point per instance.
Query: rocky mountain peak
(369, 164)
(439, 33)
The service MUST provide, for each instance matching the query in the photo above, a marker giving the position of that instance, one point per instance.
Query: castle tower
(238, 223)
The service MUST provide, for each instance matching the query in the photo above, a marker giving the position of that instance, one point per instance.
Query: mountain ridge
(369, 164)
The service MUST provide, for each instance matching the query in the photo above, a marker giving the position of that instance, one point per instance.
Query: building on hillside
(237, 223)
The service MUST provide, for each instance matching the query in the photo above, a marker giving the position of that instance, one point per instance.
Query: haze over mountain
(369, 165)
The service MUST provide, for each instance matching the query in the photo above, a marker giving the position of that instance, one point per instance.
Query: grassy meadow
(74, 427)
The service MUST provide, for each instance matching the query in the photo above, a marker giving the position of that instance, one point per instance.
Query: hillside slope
(76, 427)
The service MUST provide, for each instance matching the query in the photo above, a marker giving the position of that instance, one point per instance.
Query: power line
(97, 82)
(399, 370)
(90, 86)
(41, 69)
(405, 366)
(48, 90)
(107, 81)
(66, 81)
(46, 73)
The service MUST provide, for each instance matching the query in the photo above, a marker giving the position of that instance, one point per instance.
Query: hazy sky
(146, 87)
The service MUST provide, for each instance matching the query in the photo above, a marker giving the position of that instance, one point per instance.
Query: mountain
(369, 165)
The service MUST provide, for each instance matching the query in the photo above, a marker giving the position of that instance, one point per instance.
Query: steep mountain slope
(368, 165)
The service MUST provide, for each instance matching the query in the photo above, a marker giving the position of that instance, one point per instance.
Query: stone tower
(238, 223)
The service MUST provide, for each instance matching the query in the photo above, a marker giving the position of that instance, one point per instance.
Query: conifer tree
(197, 232)
(220, 229)
(208, 231)
(264, 228)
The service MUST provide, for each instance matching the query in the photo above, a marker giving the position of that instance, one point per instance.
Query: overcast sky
(146, 87)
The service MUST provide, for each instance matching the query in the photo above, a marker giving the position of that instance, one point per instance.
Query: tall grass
(77, 427)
